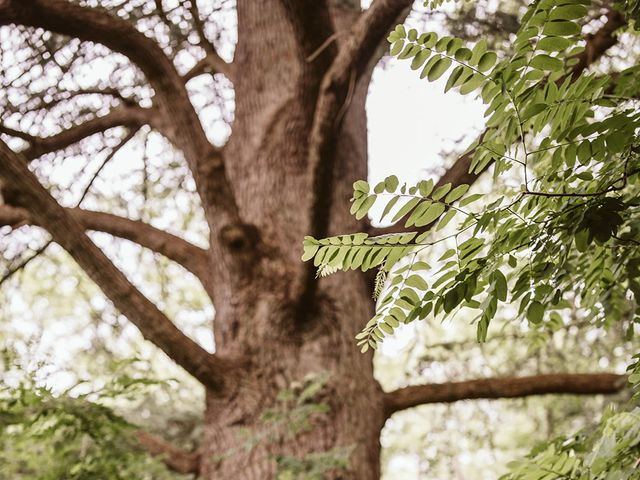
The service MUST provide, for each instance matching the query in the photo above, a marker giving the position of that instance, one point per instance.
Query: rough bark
(69, 233)
(507, 387)
(176, 459)
(299, 143)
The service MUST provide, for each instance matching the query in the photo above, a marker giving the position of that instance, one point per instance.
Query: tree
(300, 75)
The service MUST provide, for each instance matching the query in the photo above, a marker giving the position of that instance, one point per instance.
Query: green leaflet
(547, 62)
(563, 224)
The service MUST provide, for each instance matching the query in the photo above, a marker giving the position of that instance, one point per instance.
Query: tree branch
(212, 63)
(69, 233)
(123, 116)
(506, 387)
(312, 25)
(175, 459)
(596, 46)
(191, 257)
(97, 25)
(598, 43)
(353, 56)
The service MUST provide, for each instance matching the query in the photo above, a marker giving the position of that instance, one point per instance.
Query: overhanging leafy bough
(573, 145)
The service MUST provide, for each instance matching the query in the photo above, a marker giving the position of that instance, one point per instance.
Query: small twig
(12, 271)
(122, 143)
(322, 47)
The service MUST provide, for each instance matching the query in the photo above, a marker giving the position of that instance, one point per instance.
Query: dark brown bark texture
(301, 73)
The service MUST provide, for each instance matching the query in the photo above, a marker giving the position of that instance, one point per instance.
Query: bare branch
(598, 43)
(191, 257)
(123, 116)
(16, 133)
(212, 63)
(175, 459)
(21, 265)
(69, 233)
(172, 100)
(354, 54)
(506, 387)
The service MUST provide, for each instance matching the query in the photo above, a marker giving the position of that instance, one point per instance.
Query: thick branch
(507, 387)
(175, 459)
(190, 256)
(69, 233)
(212, 63)
(352, 58)
(97, 25)
(598, 43)
(596, 46)
(354, 55)
(122, 116)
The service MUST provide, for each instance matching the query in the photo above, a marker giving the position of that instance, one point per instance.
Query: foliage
(296, 410)
(573, 217)
(608, 451)
(567, 237)
(73, 436)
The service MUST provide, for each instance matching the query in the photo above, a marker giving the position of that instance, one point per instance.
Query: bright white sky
(411, 121)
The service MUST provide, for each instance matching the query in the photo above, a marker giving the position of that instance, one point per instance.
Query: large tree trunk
(268, 168)
(299, 136)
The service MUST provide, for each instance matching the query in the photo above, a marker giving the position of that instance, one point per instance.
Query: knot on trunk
(240, 238)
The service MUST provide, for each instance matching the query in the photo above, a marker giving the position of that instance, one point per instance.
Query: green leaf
(533, 110)
(483, 328)
(584, 152)
(416, 281)
(396, 48)
(391, 183)
(389, 206)
(446, 219)
(463, 54)
(535, 312)
(432, 213)
(453, 78)
(456, 193)
(546, 62)
(500, 283)
(441, 191)
(568, 12)
(420, 58)
(309, 252)
(366, 205)
(554, 44)
(361, 186)
(439, 68)
(561, 28)
(406, 208)
(478, 51)
(425, 187)
(487, 61)
(472, 83)
(470, 199)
